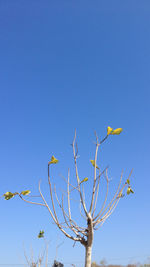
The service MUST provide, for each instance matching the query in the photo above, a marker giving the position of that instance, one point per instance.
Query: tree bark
(89, 242)
(88, 254)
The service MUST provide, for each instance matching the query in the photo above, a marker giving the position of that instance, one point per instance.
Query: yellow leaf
(84, 180)
(128, 181)
(8, 195)
(53, 160)
(41, 234)
(26, 192)
(117, 131)
(109, 130)
(129, 190)
(93, 163)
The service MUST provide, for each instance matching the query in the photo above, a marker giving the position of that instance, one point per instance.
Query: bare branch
(28, 201)
(57, 249)
(56, 219)
(26, 257)
(117, 198)
(74, 187)
(61, 208)
(81, 211)
(105, 196)
(77, 176)
(94, 182)
(56, 222)
(47, 204)
(70, 226)
(97, 191)
(64, 215)
(51, 194)
(84, 202)
(68, 198)
(103, 139)
(111, 208)
(73, 223)
(101, 213)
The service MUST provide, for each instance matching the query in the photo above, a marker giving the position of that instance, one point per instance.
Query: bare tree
(37, 263)
(93, 216)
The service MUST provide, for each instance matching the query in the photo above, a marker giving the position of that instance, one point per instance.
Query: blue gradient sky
(65, 65)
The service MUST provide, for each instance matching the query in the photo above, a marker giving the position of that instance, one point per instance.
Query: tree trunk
(89, 242)
(88, 254)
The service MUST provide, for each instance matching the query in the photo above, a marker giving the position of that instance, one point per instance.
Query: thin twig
(74, 187)
(80, 229)
(94, 183)
(100, 214)
(28, 201)
(56, 222)
(77, 176)
(105, 195)
(51, 194)
(111, 208)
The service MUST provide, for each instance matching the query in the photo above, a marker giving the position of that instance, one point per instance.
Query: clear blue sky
(65, 65)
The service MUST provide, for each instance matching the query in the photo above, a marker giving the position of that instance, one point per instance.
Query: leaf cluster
(9, 195)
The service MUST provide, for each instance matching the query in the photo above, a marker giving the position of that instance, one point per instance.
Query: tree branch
(94, 183)
(77, 176)
(100, 212)
(56, 221)
(31, 202)
(97, 191)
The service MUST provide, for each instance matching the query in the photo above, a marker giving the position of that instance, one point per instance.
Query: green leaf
(8, 195)
(41, 234)
(53, 160)
(26, 192)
